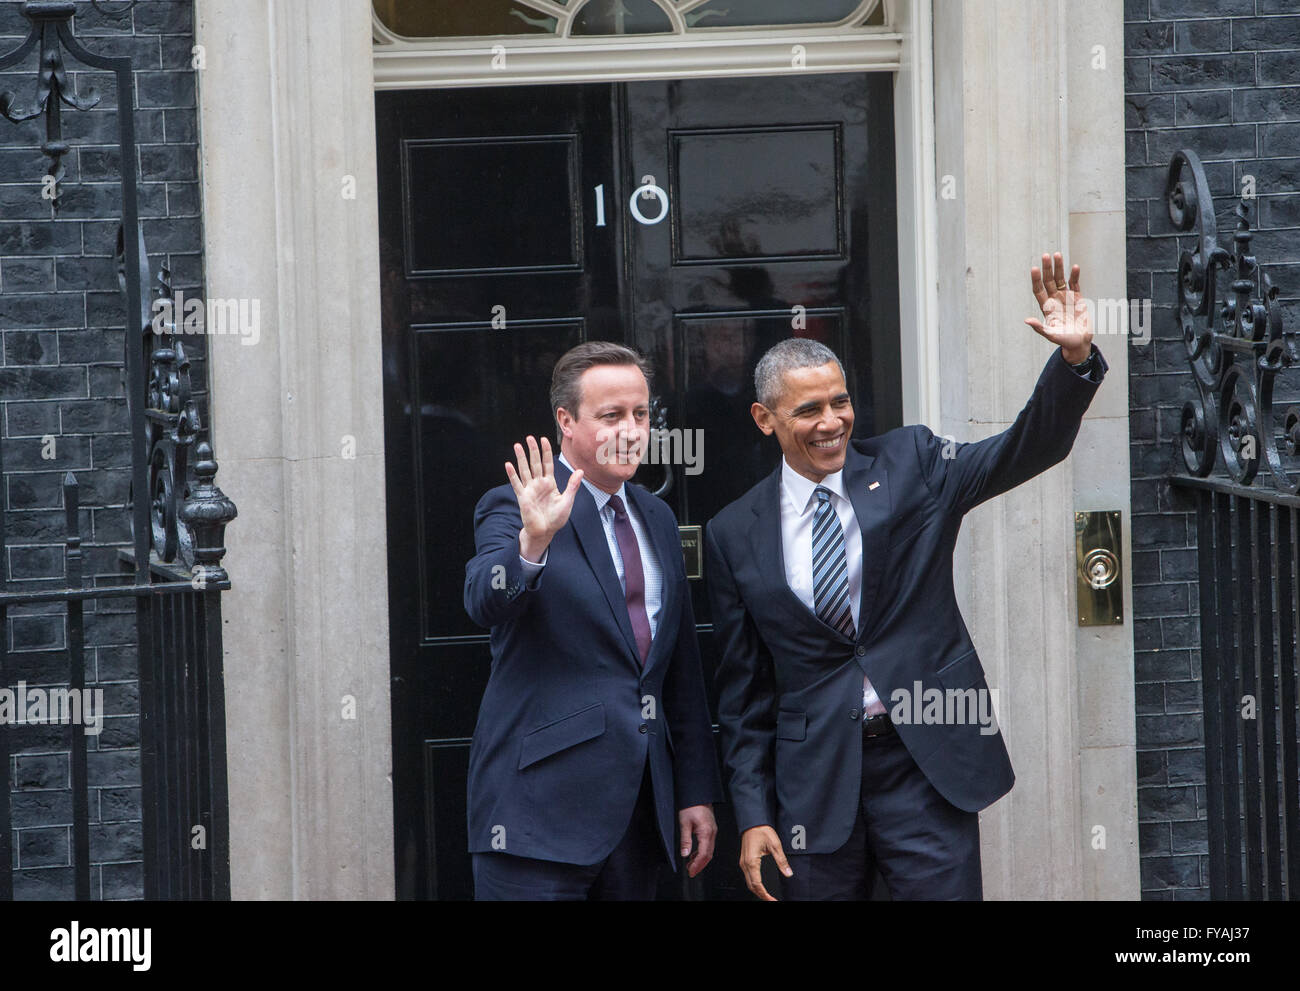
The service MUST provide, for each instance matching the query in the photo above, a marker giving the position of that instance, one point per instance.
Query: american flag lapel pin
(873, 486)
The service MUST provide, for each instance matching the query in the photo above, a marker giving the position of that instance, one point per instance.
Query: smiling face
(812, 420)
(607, 435)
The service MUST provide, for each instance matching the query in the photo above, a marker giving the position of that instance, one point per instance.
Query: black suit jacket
(790, 687)
(570, 717)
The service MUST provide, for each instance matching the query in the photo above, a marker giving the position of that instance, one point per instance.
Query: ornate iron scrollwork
(49, 27)
(188, 519)
(1235, 354)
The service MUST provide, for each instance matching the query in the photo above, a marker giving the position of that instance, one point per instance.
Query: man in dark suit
(832, 593)
(594, 728)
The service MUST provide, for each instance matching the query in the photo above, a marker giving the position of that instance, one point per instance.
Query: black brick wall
(62, 324)
(1223, 78)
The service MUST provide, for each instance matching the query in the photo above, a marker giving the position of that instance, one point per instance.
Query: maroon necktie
(633, 576)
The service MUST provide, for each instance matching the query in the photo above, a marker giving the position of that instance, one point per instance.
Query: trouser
(629, 873)
(924, 847)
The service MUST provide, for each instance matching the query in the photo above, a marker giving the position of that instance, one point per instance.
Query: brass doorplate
(692, 551)
(1098, 555)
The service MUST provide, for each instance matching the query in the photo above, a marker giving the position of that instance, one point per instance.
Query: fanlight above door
(405, 20)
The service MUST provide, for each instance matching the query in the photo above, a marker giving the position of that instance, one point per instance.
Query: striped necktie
(830, 571)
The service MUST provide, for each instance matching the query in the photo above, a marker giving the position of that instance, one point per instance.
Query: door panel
(467, 423)
(747, 161)
(773, 215)
(788, 207)
(489, 275)
(523, 217)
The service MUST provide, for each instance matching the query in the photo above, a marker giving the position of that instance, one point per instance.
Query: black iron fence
(173, 570)
(1248, 525)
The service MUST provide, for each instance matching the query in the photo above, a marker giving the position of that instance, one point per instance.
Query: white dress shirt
(798, 507)
(654, 581)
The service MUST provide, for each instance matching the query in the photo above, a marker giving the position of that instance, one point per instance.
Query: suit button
(644, 728)
(853, 713)
(861, 650)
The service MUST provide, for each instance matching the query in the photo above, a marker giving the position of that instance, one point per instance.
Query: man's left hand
(1064, 308)
(699, 830)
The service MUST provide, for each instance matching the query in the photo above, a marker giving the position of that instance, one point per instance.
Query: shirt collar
(597, 493)
(802, 491)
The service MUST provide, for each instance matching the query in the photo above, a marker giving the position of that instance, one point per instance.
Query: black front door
(699, 221)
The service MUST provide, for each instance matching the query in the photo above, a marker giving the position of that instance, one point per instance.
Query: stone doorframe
(288, 133)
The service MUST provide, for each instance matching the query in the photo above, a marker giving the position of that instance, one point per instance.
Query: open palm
(543, 508)
(1065, 310)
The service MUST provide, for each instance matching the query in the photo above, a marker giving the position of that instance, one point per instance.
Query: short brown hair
(566, 387)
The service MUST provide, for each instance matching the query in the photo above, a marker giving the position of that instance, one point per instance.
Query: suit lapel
(765, 534)
(871, 507)
(591, 538)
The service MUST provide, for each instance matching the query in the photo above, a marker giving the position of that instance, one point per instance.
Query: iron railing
(1247, 541)
(178, 520)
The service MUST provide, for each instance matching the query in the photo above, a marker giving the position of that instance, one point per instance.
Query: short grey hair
(792, 353)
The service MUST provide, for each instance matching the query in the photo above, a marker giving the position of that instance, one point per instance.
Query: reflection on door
(699, 221)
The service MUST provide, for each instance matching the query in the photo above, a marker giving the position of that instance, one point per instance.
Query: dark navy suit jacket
(790, 686)
(570, 717)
